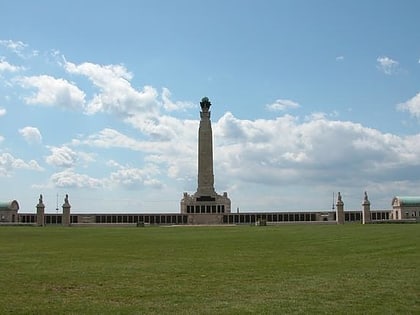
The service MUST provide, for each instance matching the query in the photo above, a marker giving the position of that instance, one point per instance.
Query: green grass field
(289, 269)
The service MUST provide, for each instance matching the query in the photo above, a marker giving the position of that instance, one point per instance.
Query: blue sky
(100, 100)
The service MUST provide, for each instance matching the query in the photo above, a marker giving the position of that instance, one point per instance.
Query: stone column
(40, 211)
(340, 210)
(205, 206)
(205, 152)
(366, 210)
(66, 212)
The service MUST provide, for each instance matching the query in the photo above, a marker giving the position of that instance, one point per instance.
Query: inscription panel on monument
(206, 198)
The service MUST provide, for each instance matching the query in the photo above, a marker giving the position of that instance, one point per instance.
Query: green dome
(407, 200)
(9, 205)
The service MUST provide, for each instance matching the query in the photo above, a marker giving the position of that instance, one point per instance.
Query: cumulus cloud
(282, 105)
(31, 135)
(7, 67)
(8, 163)
(111, 138)
(169, 105)
(51, 91)
(62, 157)
(287, 151)
(70, 179)
(116, 95)
(387, 65)
(124, 176)
(3, 111)
(412, 106)
(134, 177)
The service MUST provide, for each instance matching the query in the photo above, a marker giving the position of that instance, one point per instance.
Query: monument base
(209, 205)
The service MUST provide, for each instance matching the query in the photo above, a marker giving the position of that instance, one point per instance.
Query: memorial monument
(205, 206)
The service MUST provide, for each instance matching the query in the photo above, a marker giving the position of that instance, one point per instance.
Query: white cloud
(53, 92)
(339, 58)
(19, 48)
(135, 177)
(3, 111)
(16, 46)
(124, 176)
(62, 157)
(116, 95)
(412, 106)
(111, 138)
(316, 116)
(169, 105)
(387, 65)
(70, 179)
(282, 105)
(177, 153)
(13, 45)
(31, 135)
(5, 66)
(285, 151)
(8, 163)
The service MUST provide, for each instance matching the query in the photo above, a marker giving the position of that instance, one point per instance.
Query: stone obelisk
(205, 152)
(205, 206)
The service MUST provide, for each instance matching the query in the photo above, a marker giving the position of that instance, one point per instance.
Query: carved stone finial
(205, 104)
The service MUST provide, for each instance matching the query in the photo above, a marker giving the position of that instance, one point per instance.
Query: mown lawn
(288, 269)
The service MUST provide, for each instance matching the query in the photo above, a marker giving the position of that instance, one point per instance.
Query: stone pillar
(366, 210)
(66, 212)
(340, 210)
(205, 206)
(205, 152)
(40, 211)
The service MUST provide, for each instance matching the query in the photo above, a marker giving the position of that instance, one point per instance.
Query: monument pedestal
(366, 219)
(66, 215)
(40, 214)
(340, 210)
(66, 212)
